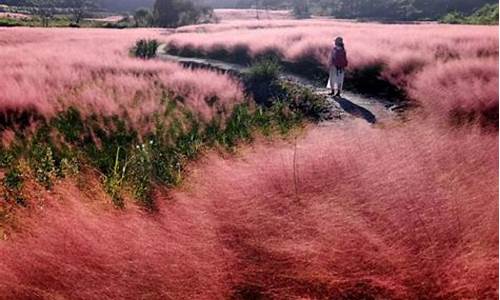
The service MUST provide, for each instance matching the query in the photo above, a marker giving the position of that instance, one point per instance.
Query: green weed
(13, 183)
(139, 174)
(43, 164)
(114, 181)
(145, 49)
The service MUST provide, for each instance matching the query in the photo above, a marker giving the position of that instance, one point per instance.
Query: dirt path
(351, 105)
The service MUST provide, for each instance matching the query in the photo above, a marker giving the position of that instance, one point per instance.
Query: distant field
(252, 14)
(14, 15)
(110, 19)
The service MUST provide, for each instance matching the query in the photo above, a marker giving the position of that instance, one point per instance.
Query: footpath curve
(353, 105)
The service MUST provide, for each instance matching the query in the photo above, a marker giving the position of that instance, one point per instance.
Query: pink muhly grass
(351, 211)
(467, 84)
(74, 250)
(399, 213)
(47, 71)
(410, 54)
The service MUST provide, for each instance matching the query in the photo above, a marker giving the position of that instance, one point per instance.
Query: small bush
(262, 81)
(284, 117)
(146, 49)
(43, 164)
(13, 183)
(238, 127)
(263, 121)
(139, 172)
(305, 103)
(9, 22)
(70, 125)
(69, 166)
(213, 132)
(6, 158)
(167, 166)
(114, 181)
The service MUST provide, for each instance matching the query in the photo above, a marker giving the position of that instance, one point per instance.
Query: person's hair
(339, 42)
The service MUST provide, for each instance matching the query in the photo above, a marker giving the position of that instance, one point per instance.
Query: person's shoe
(332, 93)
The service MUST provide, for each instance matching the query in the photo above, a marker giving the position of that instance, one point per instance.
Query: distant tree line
(487, 15)
(46, 9)
(372, 9)
(164, 13)
(174, 13)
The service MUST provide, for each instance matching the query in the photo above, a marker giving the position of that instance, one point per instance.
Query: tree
(301, 9)
(257, 9)
(174, 13)
(44, 9)
(165, 13)
(142, 17)
(79, 8)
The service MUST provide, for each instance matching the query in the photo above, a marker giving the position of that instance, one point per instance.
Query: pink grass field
(442, 67)
(348, 211)
(50, 70)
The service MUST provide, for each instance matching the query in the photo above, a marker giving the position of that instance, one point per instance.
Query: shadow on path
(356, 110)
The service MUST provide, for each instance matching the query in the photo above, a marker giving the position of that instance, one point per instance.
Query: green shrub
(284, 117)
(303, 102)
(139, 174)
(167, 165)
(262, 119)
(13, 179)
(70, 124)
(213, 132)
(146, 49)
(189, 144)
(238, 127)
(262, 81)
(113, 182)
(69, 166)
(13, 183)
(5, 22)
(43, 164)
(110, 134)
(6, 158)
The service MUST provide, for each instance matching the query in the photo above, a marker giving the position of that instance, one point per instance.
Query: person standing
(338, 63)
